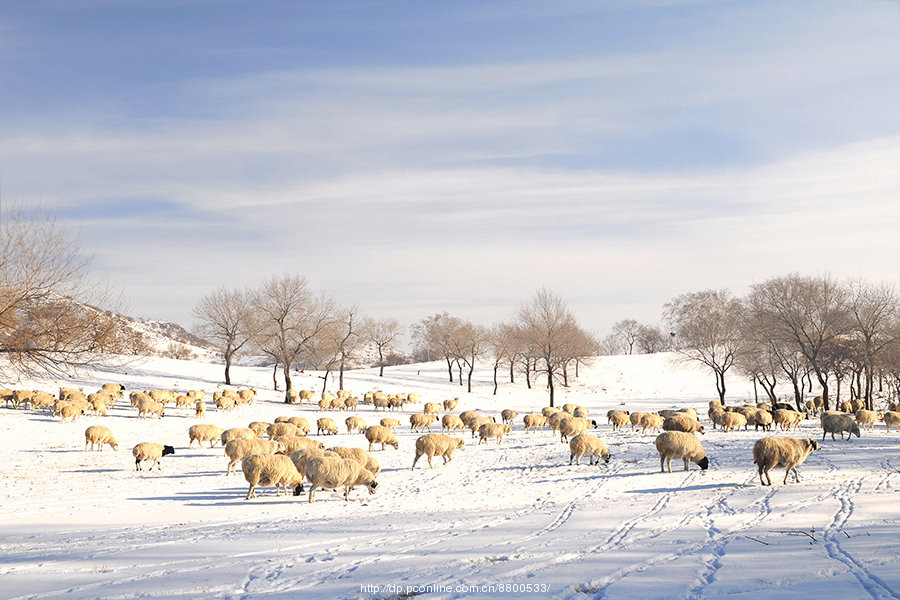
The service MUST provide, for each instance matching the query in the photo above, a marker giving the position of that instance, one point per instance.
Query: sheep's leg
(312, 489)
(251, 493)
(415, 460)
(662, 464)
(687, 464)
(430, 466)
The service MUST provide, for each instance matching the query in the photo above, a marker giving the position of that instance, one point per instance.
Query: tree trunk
(566, 375)
(550, 382)
(325, 381)
(341, 380)
(380, 362)
(720, 386)
(755, 391)
(275, 377)
(512, 378)
(459, 365)
(287, 378)
(496, 368)
(798, 394)
(228, 368)
(450, 369)
(471, 370)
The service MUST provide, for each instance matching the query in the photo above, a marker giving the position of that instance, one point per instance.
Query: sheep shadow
(689, 488)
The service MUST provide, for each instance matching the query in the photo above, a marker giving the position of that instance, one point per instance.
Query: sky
(411, 158)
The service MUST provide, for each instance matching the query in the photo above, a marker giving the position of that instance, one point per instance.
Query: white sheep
(376, 434)
(477, 421)
(681, 422)
(650, 421)
(292, 443)
(732, 421)
(891, 417)
(200, 409)
(635, 418)
(390, 423)
(449, 422)
(351, 403)
(573, 426)
(99, 435)
(715, 414)
(549, 410)
(271, 469)
(487, 431)
(787, 419)
(585, 443)
(431, 408)
(355, 424)
(237, 433)
(839, 423)
(70, 411)
(679, 444)
(326, 425)
(366, 460)
(789, 453)
(437, 444)
(150, 407)
(327, 472)
(240, 448)
(150, 451)
(204, 433)
(418, 420)
(451, 404)
(280, 429)
(867, 418)
(618, 418)
(569, 407)
(380, 400)
(508, 415)
(259, 427)
(534, 421)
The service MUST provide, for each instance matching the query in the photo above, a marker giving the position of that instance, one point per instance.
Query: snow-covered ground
(508, 521)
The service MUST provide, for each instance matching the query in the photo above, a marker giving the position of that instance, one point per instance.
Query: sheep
(204, 433)
(116, 390)
(682, 423)
(325, 404)
(377, 434)
(196, 394)
(618, 419)
(468, 414)
(690, 411)
(99, 435)
(419, 420)
(569, 407)
(431, 408)
(301, 457)
(46, 400)
(891, 417)
(650, 421)
(549, 410)
(64, 392)
(150, 451)
(572, 426)
(390, 423)
(786, 419)
(200, 409)
(236, 433)
(412, 398)
(292, 443)
(380, 400)
(475, 422)
(163, 396)
(136, 396)
(396, 402)
(715, 415)
(279, 429)
(338, 404)
(351, 403)
(451, 404)
(300, 423)
(365, 460)
(326, 425)
(150, 407)
(239, 448)
(585, 443)
(679, 444)
(839, 424)
(70, 411)
(355, 424)
(184, 401)
(271, 469)
(306, 396)
(259, 427)
(225, 402)
(247, 395)
(99, 403)
(508, 415)
(437, 444)
(763, 418)
(328, 473)
(770, 453)
(867, 418)
(635, 418)
(488, 431)
(732, 421)
(342, 394)
(449, 422)
(534, 421)
(554, 419)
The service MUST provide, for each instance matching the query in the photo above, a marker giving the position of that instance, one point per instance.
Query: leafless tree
(225, 317)
(611, 345)
(707, 325)
(651, 339)
(805, 313)
(433, 337)
(874, 310)
(628, 330)
(52, 321)
(346, 339)
(382, 333)
(468, 343)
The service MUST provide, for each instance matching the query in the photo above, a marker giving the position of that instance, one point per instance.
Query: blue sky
(415, 157)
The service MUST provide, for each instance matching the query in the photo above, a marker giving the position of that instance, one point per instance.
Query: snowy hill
(513, 520)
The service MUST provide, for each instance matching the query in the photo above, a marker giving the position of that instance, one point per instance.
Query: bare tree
(651, 339)
(629, 331)
(225, 317)
(52, 321)
(805, 313)
(433, 337)
(347, 339)
(382, 333)
(468, 343)
(874, 310)
(707, 325)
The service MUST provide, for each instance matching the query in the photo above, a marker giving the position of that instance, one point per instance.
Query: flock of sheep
(281, 453)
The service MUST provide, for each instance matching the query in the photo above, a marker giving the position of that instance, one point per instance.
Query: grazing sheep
(682, 423)
(549, 410)
(468, 414)
(618, 419)
(380, 400)
(787, 419)
(116, 390)
(679, 444)
(771, 453)
(355, 424)
(763, 418)
(376, 434)
(259, 427)
(279, 429)
(325, 403)
(396, 401)
(306, 396)
(580, 412)
(451, 404)
(301, 457)
(534, 421)
(715, 415)
(556, 418)
(271, 469)
(351, 403)
(650, 421)
(342, 394)
(326, 425)
(45, 400)
(99, 435)
(150, 407)
(292, 443)
(225, 402)
(891, 417)
(236, 433)
(635, 418)
(150, 451)
(475, 422)
(867, 418)
(240, 448)
(300, 423)
(338, 404)
(569, 407)
(431, 408)
(163, 396)
(204, 433)
(419, 420)
(412, 398)
(689, 411)
(449, 422)
(247, 395)
(508, 415)
(585, 443)
(732, 421)
(365, 460)
(838, 423)
(437, 444)
(572, 426)
(390, 423)
(327, 472)
(200, 409)
(487, 431)
(70, 411)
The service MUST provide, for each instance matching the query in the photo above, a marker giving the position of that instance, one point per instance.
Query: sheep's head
(606, 457)
(855, 430)
(371, 486)
(168, 450)
(298, 489)
(703, 463)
